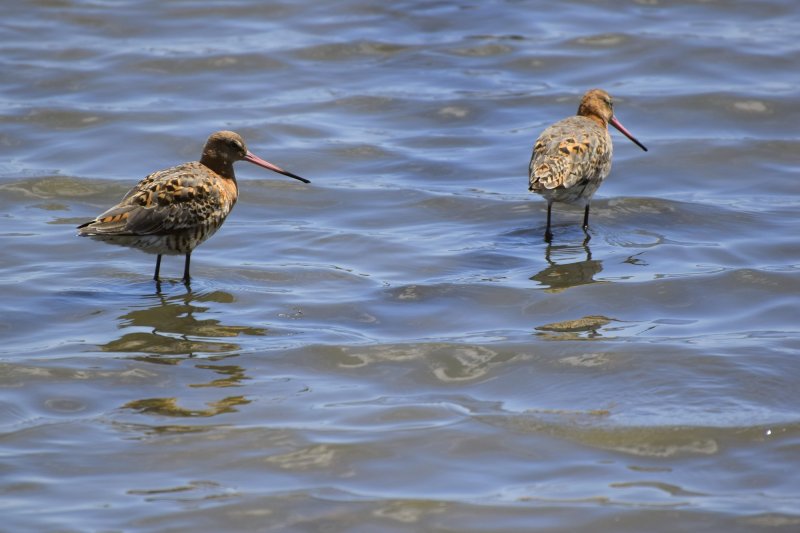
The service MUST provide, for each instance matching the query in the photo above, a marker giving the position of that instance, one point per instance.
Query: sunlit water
(393, 347)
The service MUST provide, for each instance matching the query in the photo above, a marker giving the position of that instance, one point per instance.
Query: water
(394, 347)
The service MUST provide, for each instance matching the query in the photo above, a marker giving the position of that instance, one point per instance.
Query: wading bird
(173, 211)
(572, 157)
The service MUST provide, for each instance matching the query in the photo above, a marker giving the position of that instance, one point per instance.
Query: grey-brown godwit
(572, 157)
(172, 211)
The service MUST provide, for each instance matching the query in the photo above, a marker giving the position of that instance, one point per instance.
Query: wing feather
(567, 153)
(166, 201)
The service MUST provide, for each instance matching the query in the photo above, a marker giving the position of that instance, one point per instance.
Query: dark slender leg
(158, 267)
(586, 224)
(548, 235)
(186, 268)
(586, 218)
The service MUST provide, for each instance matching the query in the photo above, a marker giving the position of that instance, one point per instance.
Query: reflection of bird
(164, 329)
(572, 157)
(559, 276)
(173, 211)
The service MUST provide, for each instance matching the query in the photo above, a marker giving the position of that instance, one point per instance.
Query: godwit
(572, 157)
(173, 211)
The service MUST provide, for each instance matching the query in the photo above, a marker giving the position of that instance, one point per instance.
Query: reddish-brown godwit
(572, 157)
(172, 211)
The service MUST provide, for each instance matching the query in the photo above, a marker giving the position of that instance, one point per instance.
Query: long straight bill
(616, 123)
(252, 158)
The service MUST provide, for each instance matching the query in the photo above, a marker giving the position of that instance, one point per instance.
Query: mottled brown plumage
(572, 157)
(172, 211)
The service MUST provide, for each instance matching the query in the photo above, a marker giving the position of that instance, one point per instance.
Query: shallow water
(393, 347)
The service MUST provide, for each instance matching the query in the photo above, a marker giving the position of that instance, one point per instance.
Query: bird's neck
(220, 165)
(597, 119)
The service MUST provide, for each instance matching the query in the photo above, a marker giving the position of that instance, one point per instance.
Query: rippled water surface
(394, 347)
